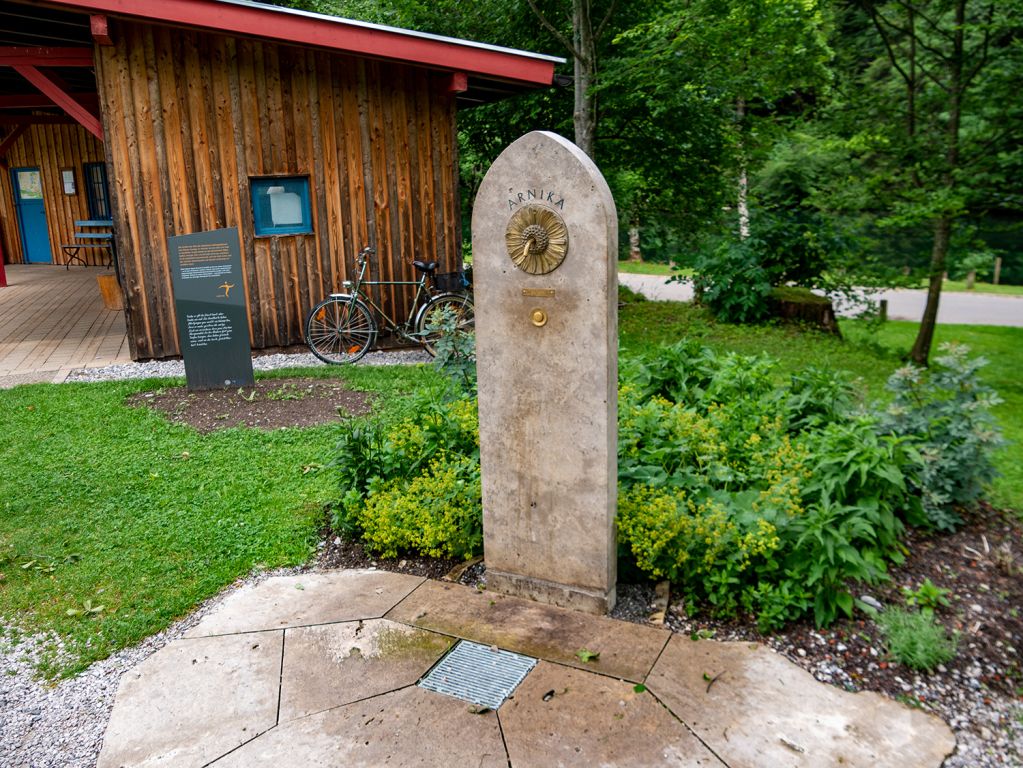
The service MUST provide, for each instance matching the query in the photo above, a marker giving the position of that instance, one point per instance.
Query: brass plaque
(542, 293)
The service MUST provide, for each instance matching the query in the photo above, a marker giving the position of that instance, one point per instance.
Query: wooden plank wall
(190, 117)
(50, 148)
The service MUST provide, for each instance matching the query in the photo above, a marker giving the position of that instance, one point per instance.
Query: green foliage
(719, 548)
(437, 512)
(757, 497)
(412, 483)
(818, 396)
(915, 639)
(946, 414)
(928, 597)
(732, 283)
(454, 348)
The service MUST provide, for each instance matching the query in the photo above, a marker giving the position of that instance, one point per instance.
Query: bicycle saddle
(428, 268)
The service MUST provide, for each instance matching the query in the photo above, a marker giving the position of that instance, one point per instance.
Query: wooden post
(3, 274)
(883, 310)
(998, 269)
(971, 279)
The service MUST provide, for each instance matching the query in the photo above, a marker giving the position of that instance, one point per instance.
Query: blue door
(28, 201)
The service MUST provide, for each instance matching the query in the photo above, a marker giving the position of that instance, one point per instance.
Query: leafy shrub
(437, 512)
(372, 455)
(712, 443)
(754, 497)
(454, 348)
(680, 372)
(946, 414)
(818, 396)
(915, 639)
(732, 283)
(717, 547)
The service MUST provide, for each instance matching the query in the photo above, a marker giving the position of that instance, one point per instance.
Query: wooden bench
(88, 240)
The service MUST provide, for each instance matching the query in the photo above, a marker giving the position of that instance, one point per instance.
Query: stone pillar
(545, 237)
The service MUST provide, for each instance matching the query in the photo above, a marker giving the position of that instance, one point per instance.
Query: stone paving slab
(627, 651)
(410, 727)
(567, 717)
(194, 701)
(308, 599)
(328, 666)
(241, 699)
(755, 708)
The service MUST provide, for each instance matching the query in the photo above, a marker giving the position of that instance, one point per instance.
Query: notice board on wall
(209, 299)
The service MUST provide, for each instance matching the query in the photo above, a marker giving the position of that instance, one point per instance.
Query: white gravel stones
(169, 368)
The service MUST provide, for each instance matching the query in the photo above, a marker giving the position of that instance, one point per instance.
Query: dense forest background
(824, 143)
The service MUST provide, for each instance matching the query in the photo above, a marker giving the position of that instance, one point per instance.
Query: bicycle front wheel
(340, 330)
(459, 303)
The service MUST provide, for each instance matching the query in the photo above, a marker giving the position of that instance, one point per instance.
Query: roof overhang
(240, 17)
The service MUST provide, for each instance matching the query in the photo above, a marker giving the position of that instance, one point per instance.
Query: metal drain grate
(478, 673)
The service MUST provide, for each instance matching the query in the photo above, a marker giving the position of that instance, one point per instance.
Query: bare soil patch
(270, 404)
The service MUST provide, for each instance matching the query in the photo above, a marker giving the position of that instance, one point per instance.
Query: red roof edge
(320, 31)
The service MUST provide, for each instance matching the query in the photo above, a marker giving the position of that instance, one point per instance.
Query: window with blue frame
(280, 205)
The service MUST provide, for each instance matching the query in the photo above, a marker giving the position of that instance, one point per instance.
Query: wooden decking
(53, 320)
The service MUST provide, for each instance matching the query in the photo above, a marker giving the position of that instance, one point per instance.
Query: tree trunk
(584, 114)
(635, 254)
(742, 203)
(925, 336)
(943, 224)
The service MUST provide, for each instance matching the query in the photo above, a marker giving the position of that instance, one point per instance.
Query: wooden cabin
(171, 117)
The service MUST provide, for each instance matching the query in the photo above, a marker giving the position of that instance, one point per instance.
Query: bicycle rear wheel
(459, 303)
(340, 329)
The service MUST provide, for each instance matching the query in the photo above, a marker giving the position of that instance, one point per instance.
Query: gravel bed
(170, 368)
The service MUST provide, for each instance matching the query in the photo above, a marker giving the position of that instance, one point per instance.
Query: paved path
(322, 670)
(954, 308)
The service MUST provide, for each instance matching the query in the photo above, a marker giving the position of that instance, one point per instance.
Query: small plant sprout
(927, 597)
(88, 608)
(915, 639)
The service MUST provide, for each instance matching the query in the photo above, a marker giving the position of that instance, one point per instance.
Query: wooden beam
(45, 57)
(24, 119)
(38, 101)
(63, 99)
(459, 82)
(100, 29)
(7, 143)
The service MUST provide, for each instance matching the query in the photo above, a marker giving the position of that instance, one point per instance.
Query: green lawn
(979, 287)
(108, 505)
(650, 268)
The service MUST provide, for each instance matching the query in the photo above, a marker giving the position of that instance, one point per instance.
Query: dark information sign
(209, 298)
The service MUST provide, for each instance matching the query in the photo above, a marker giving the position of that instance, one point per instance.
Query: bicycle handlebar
(364, 254)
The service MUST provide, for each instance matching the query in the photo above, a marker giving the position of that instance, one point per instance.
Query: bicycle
(342, 327)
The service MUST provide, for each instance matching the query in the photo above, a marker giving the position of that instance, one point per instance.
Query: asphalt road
(954, 308)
